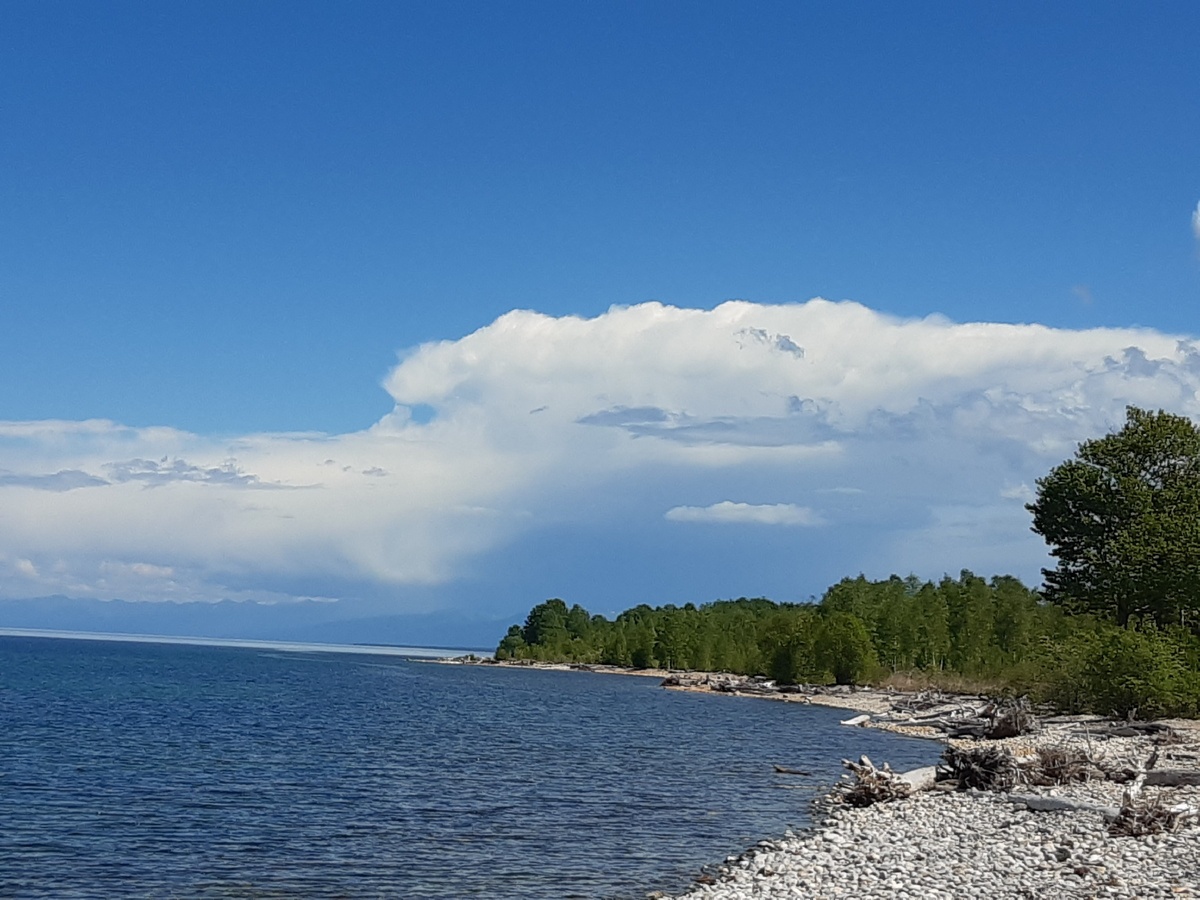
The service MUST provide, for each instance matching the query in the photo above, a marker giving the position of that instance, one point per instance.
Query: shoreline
(858, 699)
(869, 701)
(1031, 842)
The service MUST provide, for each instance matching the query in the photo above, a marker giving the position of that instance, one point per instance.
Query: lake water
(154, 770)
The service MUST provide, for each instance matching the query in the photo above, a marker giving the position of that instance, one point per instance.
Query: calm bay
(166, 770)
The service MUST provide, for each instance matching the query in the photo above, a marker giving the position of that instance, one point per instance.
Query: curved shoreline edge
(863, 700)
(938, 845)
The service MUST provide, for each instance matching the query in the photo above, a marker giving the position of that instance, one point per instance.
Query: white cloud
(791, 402)
(1196, 221)
(729, 513)
(1022, 492)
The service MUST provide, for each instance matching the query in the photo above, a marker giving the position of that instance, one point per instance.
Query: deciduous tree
(1123, 520)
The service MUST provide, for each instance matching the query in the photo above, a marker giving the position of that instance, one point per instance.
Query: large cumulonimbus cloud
(925, 433)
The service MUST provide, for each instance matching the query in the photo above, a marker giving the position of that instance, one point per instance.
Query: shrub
(1124, 672)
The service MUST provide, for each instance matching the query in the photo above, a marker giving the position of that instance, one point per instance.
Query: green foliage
(512, 644)
(859, 631)
(1118, 671)
(546, 623)
(1123, 520)
(932, 622)
(788, 641)
(843, 648)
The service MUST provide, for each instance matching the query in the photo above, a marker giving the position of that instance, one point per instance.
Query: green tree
(843, 648)
(616, 648)
(787, 639)
(546, 626)
(1123, 520)
(970, 604)
(851, 595)
(512, 644)
(675, 639)
(1015, 607)
(578, 622)
(933, 628)
(895, 632)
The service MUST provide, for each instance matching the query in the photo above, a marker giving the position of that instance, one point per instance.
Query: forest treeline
(1116, 628)
(964, 632)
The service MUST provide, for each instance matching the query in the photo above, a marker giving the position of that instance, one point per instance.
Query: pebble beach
(944, 844)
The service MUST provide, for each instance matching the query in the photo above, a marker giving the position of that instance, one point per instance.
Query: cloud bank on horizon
(914, 442)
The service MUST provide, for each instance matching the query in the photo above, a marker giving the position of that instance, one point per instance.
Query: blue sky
(224, 226)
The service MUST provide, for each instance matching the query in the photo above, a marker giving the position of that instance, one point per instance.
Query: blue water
(147, 770)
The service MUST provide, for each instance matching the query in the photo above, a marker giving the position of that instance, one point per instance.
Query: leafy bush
(1124, 672)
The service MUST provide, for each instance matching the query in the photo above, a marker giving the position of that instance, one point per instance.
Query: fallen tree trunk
(1172, 778)
(1042, 803)
(880, 785)
(922, 779)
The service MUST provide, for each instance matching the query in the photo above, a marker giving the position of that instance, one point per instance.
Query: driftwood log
(986, 719)
(981, 768)
(991, 768)
(1052, 765)
(927, 700)
(787, 770)
(995, 769)
(1156, 731)
(1172, 778)
(1042, 803)
(879, 785)
(1138, 816)
(1002, 719)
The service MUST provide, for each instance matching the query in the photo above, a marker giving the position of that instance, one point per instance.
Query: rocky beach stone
(972, 844)
(954, 845)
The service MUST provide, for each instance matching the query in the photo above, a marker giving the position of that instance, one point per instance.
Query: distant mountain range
(306, 621)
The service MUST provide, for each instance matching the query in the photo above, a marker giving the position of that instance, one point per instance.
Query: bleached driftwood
(922, 779)
(1057, 764)
(1042, 803)
(992, 720)
(1138, 816)
(880, 785)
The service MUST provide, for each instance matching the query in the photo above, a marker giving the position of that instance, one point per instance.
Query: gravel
(945, 844)
(952, 845)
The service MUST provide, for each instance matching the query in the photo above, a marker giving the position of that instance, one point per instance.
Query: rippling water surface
(150, 770)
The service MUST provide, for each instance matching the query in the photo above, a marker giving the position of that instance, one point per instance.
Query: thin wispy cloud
(912, 430)
(63, 480)
(154, 473)
(729, 513)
